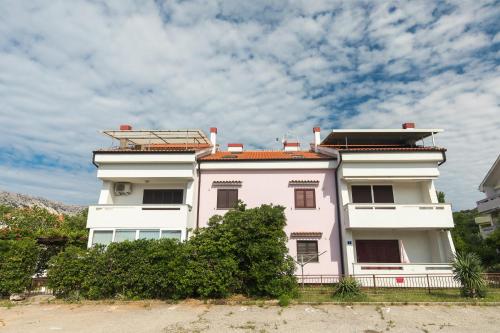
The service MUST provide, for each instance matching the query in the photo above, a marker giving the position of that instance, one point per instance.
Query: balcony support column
(349, 252)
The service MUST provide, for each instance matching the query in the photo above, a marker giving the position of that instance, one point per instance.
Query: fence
(320, 287)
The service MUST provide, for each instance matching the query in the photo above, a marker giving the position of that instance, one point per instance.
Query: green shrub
(494, 268)
(468, 271)
(18, 261)
(284, 300)
(242, 252)
(347, 287)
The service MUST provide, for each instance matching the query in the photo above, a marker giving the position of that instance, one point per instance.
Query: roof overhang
(378, 136)
(491, 173)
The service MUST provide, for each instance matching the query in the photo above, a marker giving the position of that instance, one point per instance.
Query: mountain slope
(21, 200)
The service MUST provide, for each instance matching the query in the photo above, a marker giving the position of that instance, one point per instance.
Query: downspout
(443, 152)
(198, 172)
(341, 242)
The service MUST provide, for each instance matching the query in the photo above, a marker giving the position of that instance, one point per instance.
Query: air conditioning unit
(123, 188)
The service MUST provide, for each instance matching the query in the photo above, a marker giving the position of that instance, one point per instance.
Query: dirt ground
(186, 317)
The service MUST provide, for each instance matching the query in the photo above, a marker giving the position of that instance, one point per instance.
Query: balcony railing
(401, 268)
(489, 204)
(398, 216)
(138, 216)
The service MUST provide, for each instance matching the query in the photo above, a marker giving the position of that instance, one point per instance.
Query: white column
(349, 259)
(106, 195)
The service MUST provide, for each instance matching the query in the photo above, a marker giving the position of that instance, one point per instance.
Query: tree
(441, 197)
(468, 271)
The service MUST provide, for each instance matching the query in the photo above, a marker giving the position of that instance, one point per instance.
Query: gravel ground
(187, 317)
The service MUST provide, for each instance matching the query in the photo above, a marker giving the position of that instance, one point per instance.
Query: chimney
(408, 125)
(235, 147)
(317, 137)
(124, 142)
(291, 146)
(213, 139)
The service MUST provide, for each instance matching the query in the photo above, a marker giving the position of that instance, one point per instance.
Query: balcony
(394, 216)
(489, 204)
(400, 268)
(138, 216)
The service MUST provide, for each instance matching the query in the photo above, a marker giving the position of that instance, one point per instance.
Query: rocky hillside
(21, 200)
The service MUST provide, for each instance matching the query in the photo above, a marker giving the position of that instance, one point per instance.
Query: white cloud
(255, 69)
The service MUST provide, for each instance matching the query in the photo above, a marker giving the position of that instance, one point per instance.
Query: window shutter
(361, 194)
(383, 194)
(299, 199)
(232, 198)
(310, 199)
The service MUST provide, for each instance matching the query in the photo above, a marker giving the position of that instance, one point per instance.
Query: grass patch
(325, 294)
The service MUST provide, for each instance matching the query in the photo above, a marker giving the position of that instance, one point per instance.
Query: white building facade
(392, 222)
(149, 185)
(489, 207)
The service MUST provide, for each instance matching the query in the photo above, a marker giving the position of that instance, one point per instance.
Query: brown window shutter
(232, 198)
(226, 198)
(299, 199)
(310, 199)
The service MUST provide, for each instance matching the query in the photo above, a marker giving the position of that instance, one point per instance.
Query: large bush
(18, 260)
(241, 252)
(468, 271)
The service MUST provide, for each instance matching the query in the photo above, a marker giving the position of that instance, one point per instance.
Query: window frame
(226, 190)
(112, 231)
(305, 200)
(395, 243)
(316, 254)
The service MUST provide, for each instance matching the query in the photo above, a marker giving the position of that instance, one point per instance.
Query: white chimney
(213, 139)
(235, 147)
(317, 137)
(291, 146)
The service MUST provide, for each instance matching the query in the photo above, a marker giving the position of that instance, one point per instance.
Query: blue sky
(254, 69)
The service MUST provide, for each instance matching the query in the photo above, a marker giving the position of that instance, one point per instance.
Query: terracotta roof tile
(265, 155)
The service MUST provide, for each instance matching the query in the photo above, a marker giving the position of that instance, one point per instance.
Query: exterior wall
(272, 186)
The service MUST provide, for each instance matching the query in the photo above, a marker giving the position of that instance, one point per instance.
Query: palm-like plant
(468, 271)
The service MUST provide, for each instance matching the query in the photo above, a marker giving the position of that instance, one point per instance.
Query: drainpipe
(443, 152)
(341, 242)
(198, 172)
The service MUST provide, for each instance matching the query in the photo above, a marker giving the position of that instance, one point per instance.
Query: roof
(404, 137)
(263, 155)
(381, 148)
(491, 173)
(156, 148)
(149, 137)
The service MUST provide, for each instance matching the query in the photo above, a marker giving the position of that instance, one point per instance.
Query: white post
(317, 137)
(213, 139)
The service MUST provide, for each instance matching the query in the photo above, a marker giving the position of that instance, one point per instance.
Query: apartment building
(356, 202)
(489, 207)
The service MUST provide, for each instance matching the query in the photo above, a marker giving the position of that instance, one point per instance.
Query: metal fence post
(374, 284)
(428, 284)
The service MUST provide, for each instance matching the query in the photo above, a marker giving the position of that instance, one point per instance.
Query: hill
(21, 200)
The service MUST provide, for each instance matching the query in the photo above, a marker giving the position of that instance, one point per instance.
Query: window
(226, 198)
(305, 198)
(149, 234)
(307, 251)
(171, 234)
(383, 194)
(378, 251)
(123, 235)
(102, 237)
(372, 194)
(163, 196)
(361, 194)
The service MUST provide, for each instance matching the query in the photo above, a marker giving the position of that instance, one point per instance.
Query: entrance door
(378, 251)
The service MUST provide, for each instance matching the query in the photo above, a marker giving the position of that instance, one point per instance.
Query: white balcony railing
(488, 204)
(138, 216)
(400, 268)
(398, 216)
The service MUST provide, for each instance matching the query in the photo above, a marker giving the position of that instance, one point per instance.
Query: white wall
(145, 171)
(135, 198)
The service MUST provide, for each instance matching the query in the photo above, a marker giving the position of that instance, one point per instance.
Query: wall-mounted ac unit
(123, 188)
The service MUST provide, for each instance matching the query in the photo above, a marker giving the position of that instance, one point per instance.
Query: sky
(255, 69)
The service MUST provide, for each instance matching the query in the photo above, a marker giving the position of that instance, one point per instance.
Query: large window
(171, 234)
(174, 196)
(149, 234)
(372, 194)
(378, 251)
(102, 237)
(123, 235)
(305, 198)
(226, 198)
(307, 251)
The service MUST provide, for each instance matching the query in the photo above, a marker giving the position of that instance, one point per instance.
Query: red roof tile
(251, 155)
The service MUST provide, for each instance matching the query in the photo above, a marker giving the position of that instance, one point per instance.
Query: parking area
(198, 317)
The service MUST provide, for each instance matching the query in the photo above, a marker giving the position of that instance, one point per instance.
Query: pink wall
(272, 186)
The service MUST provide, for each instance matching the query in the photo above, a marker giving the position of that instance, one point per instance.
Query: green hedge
(18, 262)
(241, 252)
